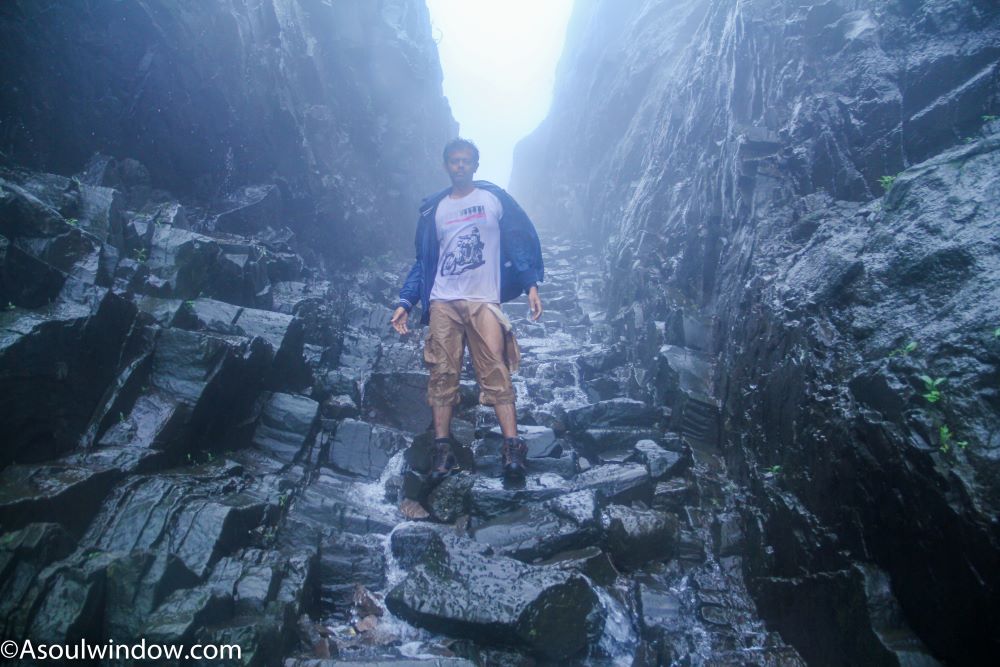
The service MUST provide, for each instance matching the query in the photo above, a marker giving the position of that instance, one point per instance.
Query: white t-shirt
(468, 232)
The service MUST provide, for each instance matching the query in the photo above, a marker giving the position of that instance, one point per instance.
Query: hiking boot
(444, 462)
(514, 454)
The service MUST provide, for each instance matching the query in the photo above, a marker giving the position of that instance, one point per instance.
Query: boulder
(398, 399)
(635, 537)
(491, 497)
(449, 499)
(617, 483)
(534, 532)
(613, 412)
(551, 613)
(659, 461)
(359, 448)
(287, 426)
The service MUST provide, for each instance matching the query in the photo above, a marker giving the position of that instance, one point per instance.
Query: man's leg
(507, 416)
(442, 420)
(486, 337)
(444, 348)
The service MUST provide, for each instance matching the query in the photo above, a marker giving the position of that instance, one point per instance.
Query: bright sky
(499, 60)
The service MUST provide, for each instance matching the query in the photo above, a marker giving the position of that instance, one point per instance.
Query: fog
(499, 61)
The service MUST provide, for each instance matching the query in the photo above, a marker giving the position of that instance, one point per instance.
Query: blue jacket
(520, 252)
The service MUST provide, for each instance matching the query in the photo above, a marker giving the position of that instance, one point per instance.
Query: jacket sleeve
(523, 246)
(409, 295)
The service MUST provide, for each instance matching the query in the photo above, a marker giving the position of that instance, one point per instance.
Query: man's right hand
(398, 320)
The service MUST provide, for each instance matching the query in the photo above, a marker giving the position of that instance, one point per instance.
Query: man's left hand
(535, 303)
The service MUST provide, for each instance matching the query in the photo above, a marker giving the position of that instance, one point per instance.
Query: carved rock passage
(801, 199)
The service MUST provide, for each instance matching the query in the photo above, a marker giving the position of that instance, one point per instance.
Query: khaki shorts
(455, 324)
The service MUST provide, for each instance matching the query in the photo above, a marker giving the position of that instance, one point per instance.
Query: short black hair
(458, 143)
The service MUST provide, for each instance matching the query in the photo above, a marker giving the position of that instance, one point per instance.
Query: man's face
(460, 166)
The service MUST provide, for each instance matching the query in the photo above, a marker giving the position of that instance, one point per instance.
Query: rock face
(327, 118)
(177, 340)
(798, 204)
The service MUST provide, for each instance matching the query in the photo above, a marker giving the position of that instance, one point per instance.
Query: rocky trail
(623, 547)
(207, 442)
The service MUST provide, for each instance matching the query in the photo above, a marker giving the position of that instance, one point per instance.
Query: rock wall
(179, 186)
(335, 107)
(798, 205)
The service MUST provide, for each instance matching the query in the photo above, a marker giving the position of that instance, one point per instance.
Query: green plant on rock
(905, 349)
(72, 222)
(989, 119)
(774, 470)
(887, 182)
(10, 305)
(947, 440)
(996, 332)
(139, 255)
(932, 393)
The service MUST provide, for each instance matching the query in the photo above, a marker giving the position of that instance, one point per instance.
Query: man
(476, 248)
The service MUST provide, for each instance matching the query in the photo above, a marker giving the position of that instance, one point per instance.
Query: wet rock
(617, 483)
(65, 601)
(152, 513)
(491, 498)
(557, 457)
(136, 584)
(661, 607)
(727, 534)
(346, 560)
(251, 210)
(178, 260)
(674, 494)
(613, 412)
(535, 532)
(202, 393)
(635, 537)
(551, 613)
(338, 502)
(591, 561)
(852, 612)
(611, 444)
(25, 215)
(76, 253)
(179, 617)
(420, 454)
(660, 462)
(450, 499)
(287, 426)
(398, 399)
(25, 280)
(340, 407)
(541, 440)
(68, 492)
(358, 448)
(71, 350)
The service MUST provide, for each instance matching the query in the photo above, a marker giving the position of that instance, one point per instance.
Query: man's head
(461, 160)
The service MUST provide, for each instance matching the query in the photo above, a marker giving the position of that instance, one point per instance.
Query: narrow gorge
(761, 405)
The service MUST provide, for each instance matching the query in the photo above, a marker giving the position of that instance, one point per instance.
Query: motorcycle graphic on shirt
(464, 254)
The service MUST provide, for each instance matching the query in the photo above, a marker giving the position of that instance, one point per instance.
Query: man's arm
(408, 295)
(535, 303)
